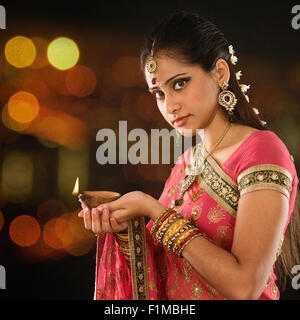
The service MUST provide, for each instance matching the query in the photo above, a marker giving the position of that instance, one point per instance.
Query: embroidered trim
(265, 177)
(219, 186)
(138, 260)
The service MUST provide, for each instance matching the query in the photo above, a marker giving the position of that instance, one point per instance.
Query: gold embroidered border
(219, 186)
(138, 259)
(96, 271)
(265, 177)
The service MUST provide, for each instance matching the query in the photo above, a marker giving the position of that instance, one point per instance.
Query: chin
(188, 132)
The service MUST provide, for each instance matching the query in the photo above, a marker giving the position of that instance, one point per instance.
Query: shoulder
(266, 163)
(265, 147)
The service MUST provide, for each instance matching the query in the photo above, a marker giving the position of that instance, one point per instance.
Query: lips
(180, 121)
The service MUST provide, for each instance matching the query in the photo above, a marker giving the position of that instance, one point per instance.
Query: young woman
(215, 233)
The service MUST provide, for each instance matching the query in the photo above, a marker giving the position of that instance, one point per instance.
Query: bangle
(122, 240)
(121, 236)
(188, 240)
(165, 226)
(158, 222)
(176, 226)
(179, 237)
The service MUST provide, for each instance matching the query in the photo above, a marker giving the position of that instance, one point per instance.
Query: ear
(221, 71)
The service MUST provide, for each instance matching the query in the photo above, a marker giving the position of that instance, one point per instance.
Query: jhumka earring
(151, 64)
(228, 100)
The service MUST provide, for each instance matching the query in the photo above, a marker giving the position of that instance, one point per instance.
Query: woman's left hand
(130, 205)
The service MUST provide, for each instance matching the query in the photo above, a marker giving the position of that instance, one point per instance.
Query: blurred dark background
(43, 245)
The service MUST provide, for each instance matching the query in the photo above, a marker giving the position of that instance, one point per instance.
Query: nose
(171, 104)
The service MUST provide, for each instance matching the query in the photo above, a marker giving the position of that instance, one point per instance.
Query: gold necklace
(188, 181)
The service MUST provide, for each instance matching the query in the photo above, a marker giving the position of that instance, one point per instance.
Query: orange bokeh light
(50, 234)
(81, 81)
(67, 233)
(24, 230)
(23, 107)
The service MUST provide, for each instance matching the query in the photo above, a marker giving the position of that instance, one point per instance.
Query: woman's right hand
(100, 221)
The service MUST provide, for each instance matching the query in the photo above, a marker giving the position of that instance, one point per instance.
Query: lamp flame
(76, 187)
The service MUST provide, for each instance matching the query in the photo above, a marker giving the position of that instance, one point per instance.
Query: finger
(106, 227)
(96, 222)
(83, 205)
(117, 227)
(112, 205)
(120, 215)
(80, 214)
(87, 219)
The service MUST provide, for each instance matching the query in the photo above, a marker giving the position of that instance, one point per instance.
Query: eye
(179, 84)
(158, 94)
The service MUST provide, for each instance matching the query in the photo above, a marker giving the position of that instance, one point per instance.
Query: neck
(214, 130)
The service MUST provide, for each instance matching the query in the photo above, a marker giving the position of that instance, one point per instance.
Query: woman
(216, 232)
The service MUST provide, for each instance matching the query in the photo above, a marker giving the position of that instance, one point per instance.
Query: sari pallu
(152, 272)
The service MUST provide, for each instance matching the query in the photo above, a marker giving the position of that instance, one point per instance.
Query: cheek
(206, 94)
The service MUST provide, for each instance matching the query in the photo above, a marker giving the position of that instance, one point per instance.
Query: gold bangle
(121, 236)
(192, 238)
(157, 221)
(181, 237)
(173, 229)
(165, 226)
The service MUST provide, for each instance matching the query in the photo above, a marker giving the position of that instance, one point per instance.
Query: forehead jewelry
(151, 64)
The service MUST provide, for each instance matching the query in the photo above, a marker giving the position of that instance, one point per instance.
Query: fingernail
(86, 210)
(100, 208)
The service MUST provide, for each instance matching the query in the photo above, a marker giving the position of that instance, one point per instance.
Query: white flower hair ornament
(244, 87)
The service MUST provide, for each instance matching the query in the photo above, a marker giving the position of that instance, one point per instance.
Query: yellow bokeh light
(63, 53)
(23, 107)
(17, 176)
(20, 52)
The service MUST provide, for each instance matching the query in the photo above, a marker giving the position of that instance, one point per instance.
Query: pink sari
(261, 162)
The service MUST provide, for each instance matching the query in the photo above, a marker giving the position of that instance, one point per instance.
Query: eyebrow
(167, 81)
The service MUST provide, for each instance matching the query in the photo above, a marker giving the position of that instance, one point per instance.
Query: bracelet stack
(173, 231)
(122, 240)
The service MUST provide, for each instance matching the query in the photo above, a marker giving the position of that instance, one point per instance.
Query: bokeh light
(17, 176)
(23, 107)
(61, 128)
(24, 230)
(50, 209)
(63, 53)
(67, 233)
(81, 81)
(20, 52)
(49, 233)
(10, 123)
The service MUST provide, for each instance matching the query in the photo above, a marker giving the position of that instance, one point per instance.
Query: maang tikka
(151, 64)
